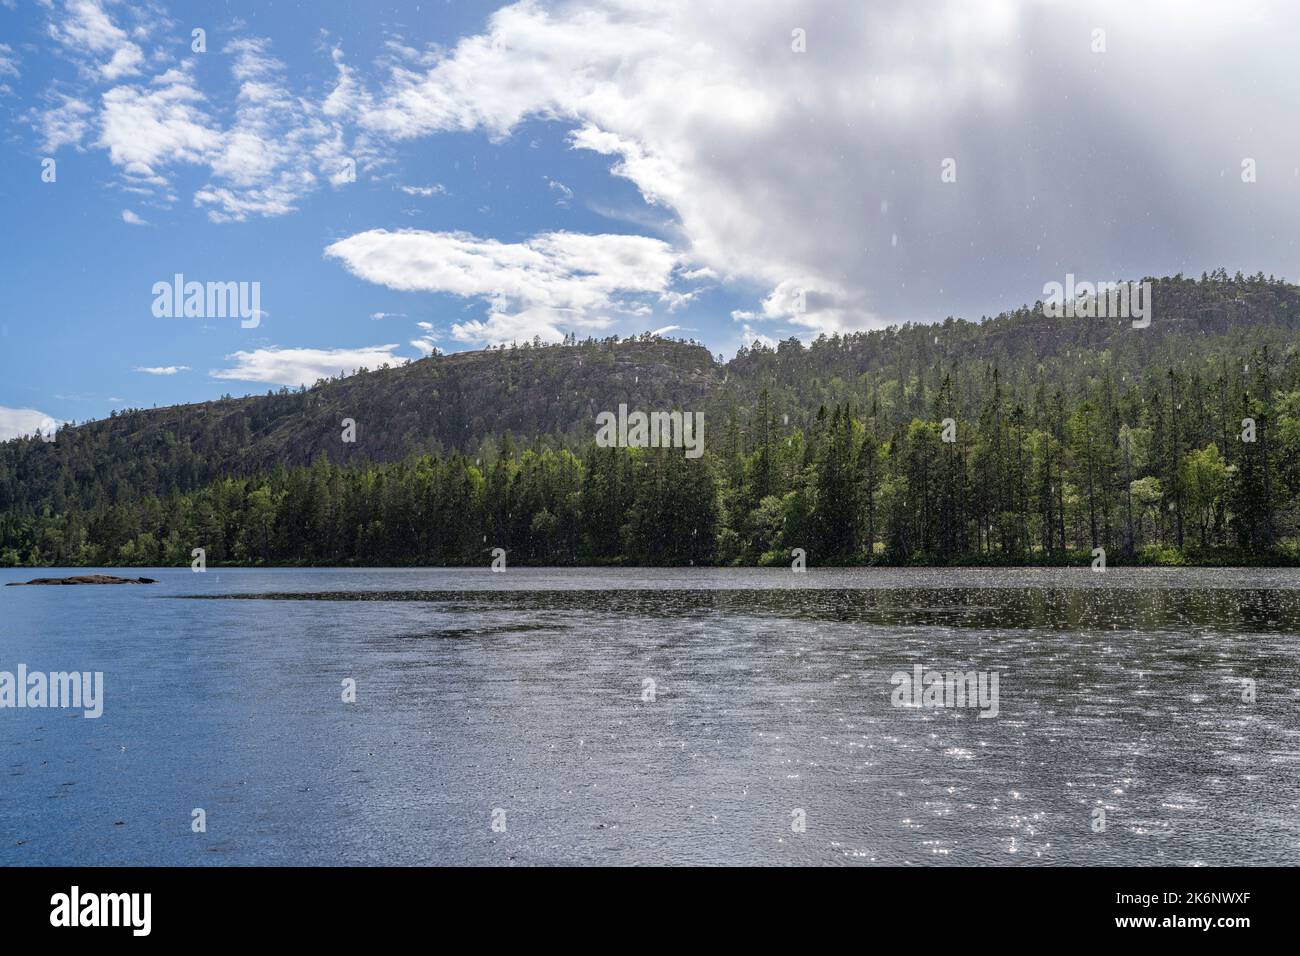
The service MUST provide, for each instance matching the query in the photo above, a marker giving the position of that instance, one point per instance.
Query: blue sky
(399, 177)
(77, 326)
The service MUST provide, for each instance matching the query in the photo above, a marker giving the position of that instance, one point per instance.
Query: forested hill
(1024, 389)
(553, 393)
(433, 405)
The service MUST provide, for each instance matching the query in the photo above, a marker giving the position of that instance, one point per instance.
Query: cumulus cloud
(132, 219)
(264, 152)
(808, 175)
(278, 148)
(162, 369)
(281, 366)
(821, 170)
(148, 128)
(16, 422)
(538, 287)
(62, 124)
(85, 30)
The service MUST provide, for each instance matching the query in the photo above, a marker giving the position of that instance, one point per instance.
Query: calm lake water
(524, 692)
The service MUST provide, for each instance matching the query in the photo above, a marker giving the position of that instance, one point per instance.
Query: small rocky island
(83, 579)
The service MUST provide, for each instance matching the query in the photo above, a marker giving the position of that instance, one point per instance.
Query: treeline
(1185, 464)
(548, 396)
(543, 507)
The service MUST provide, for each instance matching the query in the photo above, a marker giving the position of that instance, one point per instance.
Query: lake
(657, 716)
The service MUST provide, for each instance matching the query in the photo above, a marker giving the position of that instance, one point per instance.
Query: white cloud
(85, 28)
(8, 61)
(703, 116)
(16, 422)
(535, 288)
(347, 95)
(162, 369)
(566, 194)
(62, 125)
(265, 160)
(426, 191)
(278, 366)
(677, 300)
(264, 152)
(525, 325)
(132, 219)
(689, 104)
(752, 338)
(146, 129)
(427, 342)
(282, 145)
(780, 170)
(126, 60)
(821, 168)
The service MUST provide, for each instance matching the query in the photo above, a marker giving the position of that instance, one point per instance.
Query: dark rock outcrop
(83, 579)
